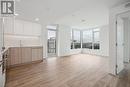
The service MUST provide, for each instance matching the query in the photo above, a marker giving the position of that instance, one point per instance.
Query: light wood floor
(74, 71)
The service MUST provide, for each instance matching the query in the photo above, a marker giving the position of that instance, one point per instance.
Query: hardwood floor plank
(73, 71)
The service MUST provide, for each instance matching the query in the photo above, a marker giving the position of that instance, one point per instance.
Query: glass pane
(77, 45)
(76, 36)
(96, 37)
(71, 39)
(87, 45)
(51, 34)
(96, 46)
(87, 39)
(76, 41)
(51, 41)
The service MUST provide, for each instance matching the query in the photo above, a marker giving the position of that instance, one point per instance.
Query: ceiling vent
(127, 5)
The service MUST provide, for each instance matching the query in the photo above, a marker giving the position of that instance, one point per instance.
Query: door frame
(56, 41)
(116, 39)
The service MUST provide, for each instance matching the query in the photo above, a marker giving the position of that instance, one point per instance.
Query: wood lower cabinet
(24, 55)
(14, 56)
(37, 54)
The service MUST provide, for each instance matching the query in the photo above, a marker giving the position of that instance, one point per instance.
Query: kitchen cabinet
(15, 56)
(9, 25)
(18, 28)
(24, 55)
(36, 29)
(37, 53)
(27, 28)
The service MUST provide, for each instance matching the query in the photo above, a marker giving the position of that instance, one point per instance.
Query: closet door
(9, 26)
(120, 45)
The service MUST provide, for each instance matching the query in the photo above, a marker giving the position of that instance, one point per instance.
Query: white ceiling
(78, 13)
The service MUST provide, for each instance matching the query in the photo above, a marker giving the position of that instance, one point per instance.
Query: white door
(120, 46)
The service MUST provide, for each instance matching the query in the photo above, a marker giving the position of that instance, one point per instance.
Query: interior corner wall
(104, 43)
(112, 35)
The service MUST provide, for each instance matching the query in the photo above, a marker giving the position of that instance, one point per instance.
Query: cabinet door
(9, 25)
(37, 54)
(26, 55)
(15, 56)
(18, 28)
(27, 29)
(36, 29)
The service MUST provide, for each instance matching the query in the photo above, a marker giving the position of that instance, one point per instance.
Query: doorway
(123, 41)
(52, 43)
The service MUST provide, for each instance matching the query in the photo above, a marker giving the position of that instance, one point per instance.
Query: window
(96, 41)
(91, 39)
(72, 40)
(75, 39)
(87, 39)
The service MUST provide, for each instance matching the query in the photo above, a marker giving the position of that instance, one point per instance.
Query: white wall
(104, 43)
(112, 35)
(64, 41)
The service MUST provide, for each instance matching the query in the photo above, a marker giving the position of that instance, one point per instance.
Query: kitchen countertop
(26, 47)
(4, 50)
(20, 47)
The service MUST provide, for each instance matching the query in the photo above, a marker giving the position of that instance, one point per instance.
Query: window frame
(93, 39)
(72, 38)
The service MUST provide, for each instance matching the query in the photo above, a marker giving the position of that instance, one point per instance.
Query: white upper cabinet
(36, 29)
(18, 29)
(27, 28)
(9, 25)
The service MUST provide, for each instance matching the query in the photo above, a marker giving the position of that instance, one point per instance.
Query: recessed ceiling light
(18, 0)
(16, 14)
(83, 20)
(36, 19)
(73, 15)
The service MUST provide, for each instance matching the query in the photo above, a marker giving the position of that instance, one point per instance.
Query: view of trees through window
(89, 39)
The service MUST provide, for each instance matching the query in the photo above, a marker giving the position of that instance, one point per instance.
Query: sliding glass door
(51, 42)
